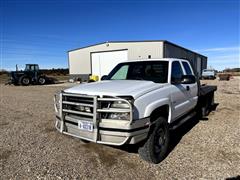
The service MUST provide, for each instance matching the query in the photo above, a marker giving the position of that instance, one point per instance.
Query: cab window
(187, 68)
(177, 72)
(32, 68)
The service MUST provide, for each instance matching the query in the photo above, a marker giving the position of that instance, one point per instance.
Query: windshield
(156, 71)
(31, 67)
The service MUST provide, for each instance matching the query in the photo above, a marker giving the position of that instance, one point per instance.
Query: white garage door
(104, 62)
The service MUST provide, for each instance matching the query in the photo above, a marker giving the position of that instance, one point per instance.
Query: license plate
(85, 125)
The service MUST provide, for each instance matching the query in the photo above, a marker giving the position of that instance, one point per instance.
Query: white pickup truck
(209, 74)
(139, 101)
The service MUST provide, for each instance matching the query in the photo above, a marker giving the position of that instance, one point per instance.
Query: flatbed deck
(206, 89)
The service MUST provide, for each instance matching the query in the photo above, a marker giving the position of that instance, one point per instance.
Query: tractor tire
(156, 146)
(24, 81)
(41, 80)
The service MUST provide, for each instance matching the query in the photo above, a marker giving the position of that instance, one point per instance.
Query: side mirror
(188, 79)
(104, 77)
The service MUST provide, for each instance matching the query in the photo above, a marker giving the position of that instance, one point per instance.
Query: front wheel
(156, 147)
(24, 80)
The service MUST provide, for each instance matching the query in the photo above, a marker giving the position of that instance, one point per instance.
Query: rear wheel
(156, 147)
(206, 104)
(25, 81)
(41, 80)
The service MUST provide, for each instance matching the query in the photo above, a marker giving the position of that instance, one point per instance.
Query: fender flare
(156, 104)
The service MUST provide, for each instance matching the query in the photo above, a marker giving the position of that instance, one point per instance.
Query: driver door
(179, 92)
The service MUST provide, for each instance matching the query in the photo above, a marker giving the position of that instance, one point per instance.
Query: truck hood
(134, 88)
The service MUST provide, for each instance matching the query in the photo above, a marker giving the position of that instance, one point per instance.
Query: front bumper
(110, 133)
(69, 118)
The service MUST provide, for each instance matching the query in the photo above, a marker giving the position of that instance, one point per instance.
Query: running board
(181, 121)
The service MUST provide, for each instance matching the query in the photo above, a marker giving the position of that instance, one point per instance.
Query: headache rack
(93, 109)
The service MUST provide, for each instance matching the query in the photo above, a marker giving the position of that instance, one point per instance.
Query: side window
(187, 68)
(177, 72)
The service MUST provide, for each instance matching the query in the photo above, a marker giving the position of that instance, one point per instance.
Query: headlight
(120, 104)
(57, 102)
(87, 109)
(119, 116)
(83, 109)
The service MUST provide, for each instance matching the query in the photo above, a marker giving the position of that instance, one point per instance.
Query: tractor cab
(31, 67)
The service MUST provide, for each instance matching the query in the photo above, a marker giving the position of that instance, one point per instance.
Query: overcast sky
(43, 31)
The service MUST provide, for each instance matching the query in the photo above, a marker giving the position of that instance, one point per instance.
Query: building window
(149, 57)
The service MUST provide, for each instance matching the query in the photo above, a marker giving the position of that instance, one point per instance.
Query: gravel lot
(31, 148)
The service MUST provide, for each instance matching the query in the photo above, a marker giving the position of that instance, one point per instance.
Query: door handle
(187, 88)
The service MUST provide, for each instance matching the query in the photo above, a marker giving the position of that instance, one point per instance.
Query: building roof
(141, 41)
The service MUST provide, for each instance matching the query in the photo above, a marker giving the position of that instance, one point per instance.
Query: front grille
(87, 100)
(80, 107)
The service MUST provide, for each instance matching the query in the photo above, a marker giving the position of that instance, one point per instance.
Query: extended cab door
(193, 87)
(180, 98)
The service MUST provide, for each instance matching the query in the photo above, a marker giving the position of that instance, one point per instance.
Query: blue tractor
(30, 75)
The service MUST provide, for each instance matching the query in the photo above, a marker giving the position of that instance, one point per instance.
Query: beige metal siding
(198, 62)
(80, 60)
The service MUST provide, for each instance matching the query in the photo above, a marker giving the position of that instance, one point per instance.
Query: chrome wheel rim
(160, 140)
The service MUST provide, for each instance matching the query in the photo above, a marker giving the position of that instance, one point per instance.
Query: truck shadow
(175, 135)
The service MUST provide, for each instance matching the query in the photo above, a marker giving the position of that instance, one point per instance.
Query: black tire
(41, 80)
(25, 81)
(156, 147)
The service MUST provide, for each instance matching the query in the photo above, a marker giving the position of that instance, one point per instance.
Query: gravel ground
(31, 148)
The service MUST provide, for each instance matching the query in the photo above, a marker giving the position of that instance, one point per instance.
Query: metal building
(99, 59)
